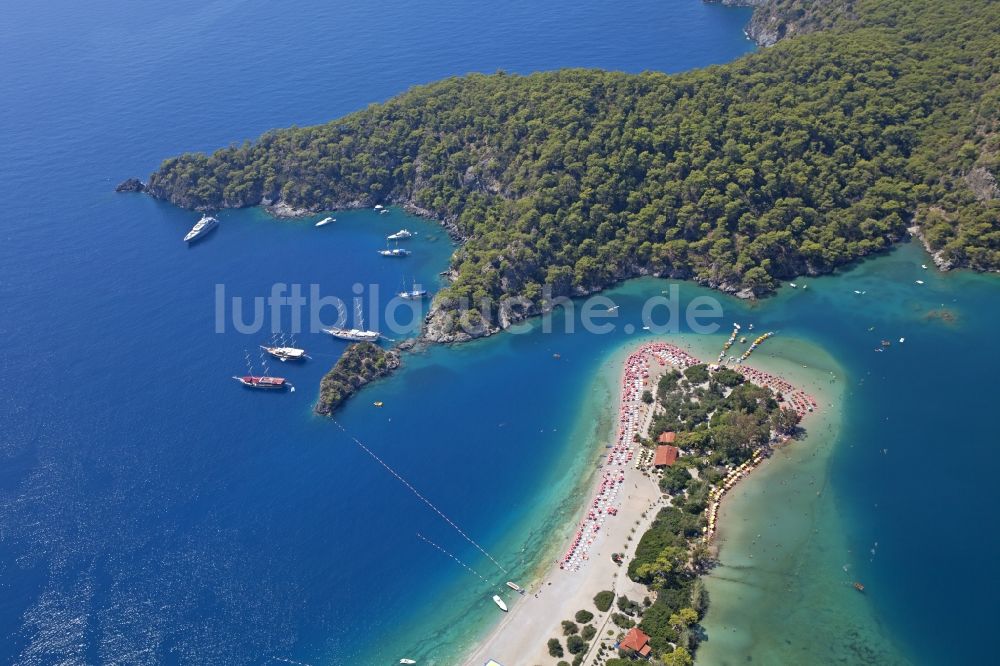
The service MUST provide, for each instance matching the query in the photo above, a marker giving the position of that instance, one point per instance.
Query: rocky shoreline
(361, 364)
(764, 28)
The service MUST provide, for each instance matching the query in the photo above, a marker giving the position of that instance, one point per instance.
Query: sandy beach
(535, 617)
(570, 583)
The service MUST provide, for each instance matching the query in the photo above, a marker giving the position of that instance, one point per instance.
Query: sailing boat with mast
(353, 334)
(284, 351)
(413, 294)
(264, 381)
(394, 252)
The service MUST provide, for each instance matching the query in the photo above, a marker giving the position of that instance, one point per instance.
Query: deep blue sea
(152, 511)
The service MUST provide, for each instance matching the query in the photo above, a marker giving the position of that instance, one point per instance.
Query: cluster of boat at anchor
(285, 350)
(402, 234)
(265, 381)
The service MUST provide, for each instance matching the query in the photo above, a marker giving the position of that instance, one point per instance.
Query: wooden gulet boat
(264, 381)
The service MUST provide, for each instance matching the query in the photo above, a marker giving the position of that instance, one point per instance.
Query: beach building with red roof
(636, 640)
(667, 437)
(665, 456)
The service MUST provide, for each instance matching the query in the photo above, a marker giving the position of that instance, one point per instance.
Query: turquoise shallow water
(152, 512)
(901, 504)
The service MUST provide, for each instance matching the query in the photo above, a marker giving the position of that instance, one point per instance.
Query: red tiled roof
(636, 640)
(665, 455)
(667, 437)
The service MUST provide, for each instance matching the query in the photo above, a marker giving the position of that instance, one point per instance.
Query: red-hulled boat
(265, 382)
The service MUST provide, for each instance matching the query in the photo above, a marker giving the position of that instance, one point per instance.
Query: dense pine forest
(868, 117)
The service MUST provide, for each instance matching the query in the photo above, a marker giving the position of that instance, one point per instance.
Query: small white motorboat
(514, 586)
(379, 206)
(792, 285)
(499, 602)
(325, 221)
(407, 661)
(920, 281)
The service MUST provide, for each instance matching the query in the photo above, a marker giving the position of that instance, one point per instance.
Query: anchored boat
(201, 227)
(286, 353)
(264, 381)
(402, 234)
(284, 350)
(394, 252)
(499, 602)
(353, 334)
(413, 294)
(325, 221)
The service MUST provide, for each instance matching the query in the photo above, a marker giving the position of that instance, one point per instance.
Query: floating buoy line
(460, 562)
(419, 496)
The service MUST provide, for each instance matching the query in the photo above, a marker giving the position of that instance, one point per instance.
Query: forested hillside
(796, 159)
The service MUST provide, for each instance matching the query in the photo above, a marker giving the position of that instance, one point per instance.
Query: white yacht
(286, 353)
(394, 252)
(402, 234)
(499, 602)
(353, 334)
(325, 221)
(202, 227)
(413, 294)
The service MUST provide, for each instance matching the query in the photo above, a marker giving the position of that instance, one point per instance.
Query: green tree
(796, 159)
(575, 644)
(679, 657)
(683, 618)
(603, 600)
